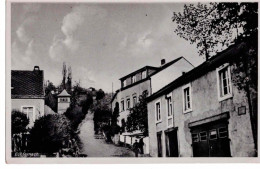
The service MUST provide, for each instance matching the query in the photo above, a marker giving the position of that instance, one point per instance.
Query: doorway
(211, 140)
(159, 143)
(171, 140)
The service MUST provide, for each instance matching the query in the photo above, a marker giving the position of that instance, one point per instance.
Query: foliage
(75, 115)
(49, 132)
(138, 117)
(19, 122)
(212, 26)
(102, 112)
(86, 105)
(100, 94)
(115, 128)
(49, 88)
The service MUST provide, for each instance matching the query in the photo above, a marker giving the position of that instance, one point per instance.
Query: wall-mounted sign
(242, 110)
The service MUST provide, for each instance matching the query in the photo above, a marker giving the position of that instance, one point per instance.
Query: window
(195, 137)
(187, 104)
(63, 99)
(223, 132)
(143, 74)
(134, 100)
(128, 103)
(169, 106)
(203, 136)
(122, 105)
(124, 83)
(29, 113)
(133, 79)
(213, 134)
(224, 82)
(158, 111)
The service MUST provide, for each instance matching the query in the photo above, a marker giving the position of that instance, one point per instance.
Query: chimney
(36, 68)
(162, 62)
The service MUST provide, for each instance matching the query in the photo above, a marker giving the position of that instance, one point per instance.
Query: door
(159, 143)
(211, 140)
(172, 144)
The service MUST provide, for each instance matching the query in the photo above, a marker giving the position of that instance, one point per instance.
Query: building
(142, 80)
(27, 93)
(202, 113)
(63, 101)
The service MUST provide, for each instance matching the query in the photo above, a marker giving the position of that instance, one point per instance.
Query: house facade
(27, 93)
(201, 114)
(135, 84)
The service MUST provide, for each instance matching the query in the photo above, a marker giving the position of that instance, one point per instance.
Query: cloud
(86, 76)
(71, 24)
(22, 56)
(22, 32)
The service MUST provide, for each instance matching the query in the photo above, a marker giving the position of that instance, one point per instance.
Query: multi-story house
(143, 80)
(202, 113)
(27, 93)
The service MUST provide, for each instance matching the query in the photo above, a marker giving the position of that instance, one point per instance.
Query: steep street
(98, 147)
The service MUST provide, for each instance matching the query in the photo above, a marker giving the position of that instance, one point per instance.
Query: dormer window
(133, 79)
(124, 83)
(143, 74)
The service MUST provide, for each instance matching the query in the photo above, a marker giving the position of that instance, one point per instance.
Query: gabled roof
(222, 57)
(64, 93)
(169, 64)
(27, 84)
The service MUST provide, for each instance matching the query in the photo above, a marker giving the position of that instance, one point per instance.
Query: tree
(212, 26)
(138, 117)
(49, 132)
(19, 122)
(64, 73)
(114, 126)
(100, 94)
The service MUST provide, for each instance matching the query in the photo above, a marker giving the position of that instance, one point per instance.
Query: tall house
(27, 93)
(202, 113)
(63, 101)
(146, 79)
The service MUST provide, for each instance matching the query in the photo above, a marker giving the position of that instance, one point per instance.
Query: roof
(158, 69)
(27, 84)
(209, 65)
(64, 93)
(139, 70)
(169, 64)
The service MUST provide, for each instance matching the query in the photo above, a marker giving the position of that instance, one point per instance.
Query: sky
(101, 42)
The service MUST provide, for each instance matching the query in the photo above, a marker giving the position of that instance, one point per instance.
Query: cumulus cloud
(22, 33)
(70, 25)
(22, 55)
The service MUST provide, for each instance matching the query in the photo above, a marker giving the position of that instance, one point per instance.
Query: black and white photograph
(132, 80)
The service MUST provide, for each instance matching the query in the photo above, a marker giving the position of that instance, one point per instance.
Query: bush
(49, 132)
(19, 122)
(75, 115)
